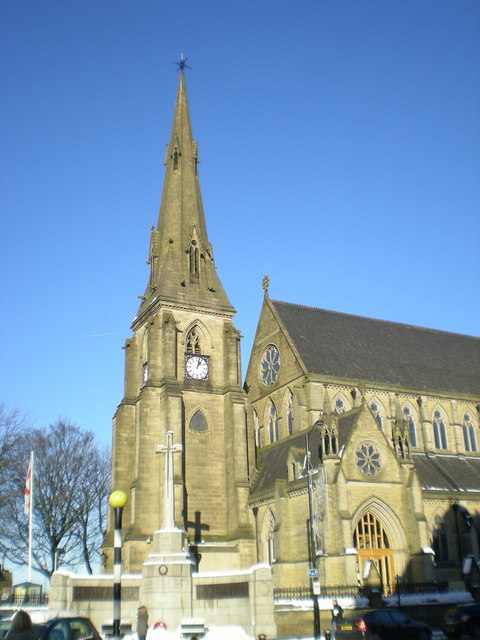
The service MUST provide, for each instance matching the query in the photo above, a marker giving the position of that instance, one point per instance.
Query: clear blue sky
(339, 145)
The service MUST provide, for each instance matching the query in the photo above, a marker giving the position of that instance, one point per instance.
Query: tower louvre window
(153, 269)
(193, 261)
(193, 342)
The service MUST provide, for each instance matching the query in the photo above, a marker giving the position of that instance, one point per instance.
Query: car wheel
(424, 635)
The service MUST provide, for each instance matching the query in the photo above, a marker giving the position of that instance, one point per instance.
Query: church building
(348, 457)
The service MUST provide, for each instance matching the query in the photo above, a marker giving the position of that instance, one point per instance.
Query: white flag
(28, 487)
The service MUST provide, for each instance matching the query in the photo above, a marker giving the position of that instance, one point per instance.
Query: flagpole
(30, 514)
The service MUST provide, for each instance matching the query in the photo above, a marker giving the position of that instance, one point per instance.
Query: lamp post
(313, 571)
(456, 509)
(56, 558)
(117, 500)
(397, 580)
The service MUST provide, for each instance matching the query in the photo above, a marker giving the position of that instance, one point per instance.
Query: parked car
(463, 619)
(58, 628)
(381, 624)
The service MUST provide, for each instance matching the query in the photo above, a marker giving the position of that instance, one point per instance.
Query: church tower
(183, 374)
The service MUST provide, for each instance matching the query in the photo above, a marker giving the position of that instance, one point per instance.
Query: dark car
(382, 624)
(463, 619)
(65, 628)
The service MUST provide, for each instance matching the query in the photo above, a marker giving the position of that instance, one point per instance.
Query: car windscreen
(40, 630)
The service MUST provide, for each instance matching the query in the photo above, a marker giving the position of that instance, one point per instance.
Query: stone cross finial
(362, 387)
(265, 283)
(168, 489)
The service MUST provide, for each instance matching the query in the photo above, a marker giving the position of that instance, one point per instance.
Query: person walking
(142, 622)
(337, 614)
(21, 628)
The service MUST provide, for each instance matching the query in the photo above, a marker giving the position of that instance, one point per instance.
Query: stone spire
(182, 269)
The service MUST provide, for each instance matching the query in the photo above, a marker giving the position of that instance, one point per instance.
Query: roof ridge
(393, 322)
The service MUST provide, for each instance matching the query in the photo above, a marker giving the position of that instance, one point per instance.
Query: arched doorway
(375, 557)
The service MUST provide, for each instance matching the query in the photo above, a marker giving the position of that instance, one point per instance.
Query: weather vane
(182, 65)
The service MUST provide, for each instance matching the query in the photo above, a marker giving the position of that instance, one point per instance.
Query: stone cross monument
(166, 588)
(168, 488)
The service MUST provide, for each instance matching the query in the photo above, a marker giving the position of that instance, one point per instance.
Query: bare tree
(71, 479)
(12, 426)
(94, 488)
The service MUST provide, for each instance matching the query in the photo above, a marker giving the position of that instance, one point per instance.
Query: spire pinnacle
(182, 269)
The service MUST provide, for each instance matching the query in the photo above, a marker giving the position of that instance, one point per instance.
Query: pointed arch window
(153, 260)
(269, 537)
(469, 438)
(370, 533)
(375, 409)
(440, 540)
(290, 413)
(193, 341)
(273, 423)
(340, 404)
(334, 441)
(411, 425)
(144, 358)
(325, 441)
(257, 429)
(372, 543)
(193, 255)
(402, 448)
(439, 431)
(198, 422)
(175, 159)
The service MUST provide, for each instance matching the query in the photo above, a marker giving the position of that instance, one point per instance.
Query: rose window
(368, 459)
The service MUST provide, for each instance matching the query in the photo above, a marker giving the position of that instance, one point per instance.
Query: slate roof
(436, 472)
(447, 472)
(274, 457)
(347, 346)
(274, 460)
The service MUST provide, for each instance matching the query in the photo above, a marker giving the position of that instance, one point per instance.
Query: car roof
(42, 616)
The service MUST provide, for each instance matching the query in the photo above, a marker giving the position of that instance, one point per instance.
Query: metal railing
(21, 599)
(405, 588)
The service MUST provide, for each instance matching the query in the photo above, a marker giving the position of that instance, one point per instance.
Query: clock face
(196, 367)
(270, 365)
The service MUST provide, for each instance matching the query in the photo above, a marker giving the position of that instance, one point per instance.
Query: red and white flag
(28, 487)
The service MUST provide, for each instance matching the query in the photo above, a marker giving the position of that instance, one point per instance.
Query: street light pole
(117, 500)
(456, 509)
(397, 580)
(313, 565)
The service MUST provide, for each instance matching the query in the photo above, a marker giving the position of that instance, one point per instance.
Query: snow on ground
(350, 602)
(213, 633)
